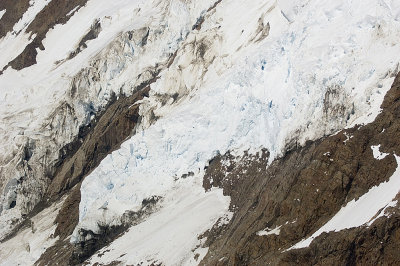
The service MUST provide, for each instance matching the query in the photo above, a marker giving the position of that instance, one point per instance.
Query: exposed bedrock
(113, 126)
(301, 191)
(56, 12)
(292, 197)
(60, 154)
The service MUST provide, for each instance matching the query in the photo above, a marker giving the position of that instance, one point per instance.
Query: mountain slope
(180, 132)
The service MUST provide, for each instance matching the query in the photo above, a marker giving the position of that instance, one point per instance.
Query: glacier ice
(319, 58)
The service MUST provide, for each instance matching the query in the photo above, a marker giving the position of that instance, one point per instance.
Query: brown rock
(52, 14)
(301, 192)
(14, 11)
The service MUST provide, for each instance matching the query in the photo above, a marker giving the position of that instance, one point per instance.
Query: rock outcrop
(301, 191)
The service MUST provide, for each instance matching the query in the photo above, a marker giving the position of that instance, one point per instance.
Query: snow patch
(348, 137)
(360, 212)
(377, 154)
(267, 231)
(2, 12)
(72, 11)
(382, 212)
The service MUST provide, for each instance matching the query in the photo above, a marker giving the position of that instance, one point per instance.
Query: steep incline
(56, 101)
(187, 132)
(303, 193)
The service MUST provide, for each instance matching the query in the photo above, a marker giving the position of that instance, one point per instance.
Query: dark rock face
(299, 192)
(302, 191)
(95, 141)
(92, 34)
(114, 125)
(14, 11)
(58, 254)
(92, 242)
(376, 245)
(54, 13)
(68, 217)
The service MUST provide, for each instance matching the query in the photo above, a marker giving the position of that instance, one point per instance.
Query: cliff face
(212, 132)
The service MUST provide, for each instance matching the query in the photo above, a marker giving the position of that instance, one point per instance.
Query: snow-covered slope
(251, 95)
(30, 243)
(230, 76)
(43, 111)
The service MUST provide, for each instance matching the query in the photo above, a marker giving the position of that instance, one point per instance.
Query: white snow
(28, 108)
(14, 42)
(170, 235)
(382, 212)
(360, 212)
(267, 231)
(30, 243)
(2, 12)
(243, 94)
(347, 137)
(72, 11)
(377, 154)
(251, 95)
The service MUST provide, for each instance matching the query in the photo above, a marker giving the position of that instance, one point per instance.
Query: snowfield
(30, 242)
(257, 74)
(172, 235)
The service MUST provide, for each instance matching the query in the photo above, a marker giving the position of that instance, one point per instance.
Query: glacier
(41, 113)
(261, 96)
(297, 71)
